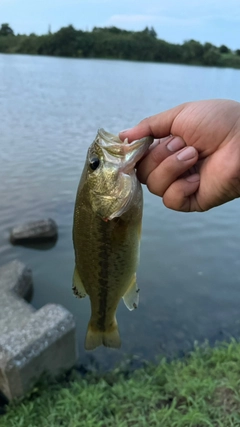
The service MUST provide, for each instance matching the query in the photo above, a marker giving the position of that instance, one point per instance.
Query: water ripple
(50, 110)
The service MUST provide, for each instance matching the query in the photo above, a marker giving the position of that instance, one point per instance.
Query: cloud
(149, 20)
(128, 19)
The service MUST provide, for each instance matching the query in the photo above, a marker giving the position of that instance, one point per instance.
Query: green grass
(201, 390)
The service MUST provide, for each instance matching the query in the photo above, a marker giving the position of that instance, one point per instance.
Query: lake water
(189, 274)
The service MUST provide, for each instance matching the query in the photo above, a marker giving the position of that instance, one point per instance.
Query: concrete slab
(31, 342)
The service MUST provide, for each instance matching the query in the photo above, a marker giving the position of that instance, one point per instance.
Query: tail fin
(95, 338)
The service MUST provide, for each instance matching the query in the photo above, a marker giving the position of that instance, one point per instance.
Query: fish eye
(94, 163)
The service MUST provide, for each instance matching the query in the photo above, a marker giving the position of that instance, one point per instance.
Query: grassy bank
(200, 390)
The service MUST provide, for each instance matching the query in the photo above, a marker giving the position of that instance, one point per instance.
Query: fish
(107, 226)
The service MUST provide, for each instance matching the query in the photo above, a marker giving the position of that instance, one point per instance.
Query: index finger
(158, 126)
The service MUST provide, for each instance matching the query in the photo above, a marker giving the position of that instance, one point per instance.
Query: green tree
(192, 52)
(6, 30)
(207, 46)
(115, 43)
(29, 44)
(62, 43)
(150, 32)
(167, 52)
(224, 49)
(211, 57)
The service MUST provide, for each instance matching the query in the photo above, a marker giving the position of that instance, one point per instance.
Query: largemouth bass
(106, 233)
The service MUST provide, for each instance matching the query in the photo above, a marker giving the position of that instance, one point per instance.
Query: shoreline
(201, 389)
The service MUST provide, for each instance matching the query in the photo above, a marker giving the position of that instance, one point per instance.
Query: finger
(170, 170)
(158, 126)
(153, 145)
(156, 154)
(180, 196)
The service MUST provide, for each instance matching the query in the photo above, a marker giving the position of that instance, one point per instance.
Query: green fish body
(107, 232)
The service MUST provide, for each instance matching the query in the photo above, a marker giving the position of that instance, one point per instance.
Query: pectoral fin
(131, 297)
(77, 286)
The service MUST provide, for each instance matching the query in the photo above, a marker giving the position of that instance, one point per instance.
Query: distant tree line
(114, 43)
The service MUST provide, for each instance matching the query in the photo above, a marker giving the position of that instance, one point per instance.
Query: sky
(214, 21)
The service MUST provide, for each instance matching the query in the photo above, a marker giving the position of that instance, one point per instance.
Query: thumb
(158, 126)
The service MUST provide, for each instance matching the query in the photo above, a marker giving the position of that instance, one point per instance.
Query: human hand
(197, 167)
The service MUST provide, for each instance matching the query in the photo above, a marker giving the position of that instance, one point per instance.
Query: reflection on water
(189, 274)
(36, 245)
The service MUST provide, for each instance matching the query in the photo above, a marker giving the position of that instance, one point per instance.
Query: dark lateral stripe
(104, 248)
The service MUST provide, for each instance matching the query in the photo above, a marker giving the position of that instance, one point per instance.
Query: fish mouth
(123, 156)
(112, 146)
(130, 153)
(109, 138)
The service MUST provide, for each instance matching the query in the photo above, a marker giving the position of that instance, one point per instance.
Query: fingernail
(125, 130)
(193, 178)
(187, 153)
(175, 144)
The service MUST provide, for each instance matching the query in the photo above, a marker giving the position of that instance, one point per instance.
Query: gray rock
(36, 231)
(31, 342)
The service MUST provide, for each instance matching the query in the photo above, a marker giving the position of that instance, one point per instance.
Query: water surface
(50, 110)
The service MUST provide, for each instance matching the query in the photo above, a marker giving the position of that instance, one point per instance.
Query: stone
(36, 231)
(31, 341)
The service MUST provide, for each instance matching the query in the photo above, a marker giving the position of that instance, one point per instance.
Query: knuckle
(145, 124)
(145, 121)
(156, 155)
(231, 175)
(175, 201)
(154, 187)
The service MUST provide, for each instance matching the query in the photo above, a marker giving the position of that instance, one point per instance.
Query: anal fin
(77, 286)
(131, 297)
